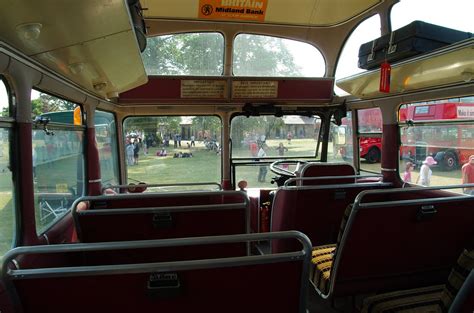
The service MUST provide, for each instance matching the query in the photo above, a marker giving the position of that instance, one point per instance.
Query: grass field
(204, 166)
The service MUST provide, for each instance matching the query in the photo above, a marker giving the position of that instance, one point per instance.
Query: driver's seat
(319, 169)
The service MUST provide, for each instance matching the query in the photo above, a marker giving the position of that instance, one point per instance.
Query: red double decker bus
(441, 133)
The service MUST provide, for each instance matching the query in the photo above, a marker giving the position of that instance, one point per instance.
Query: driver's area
(267, 150)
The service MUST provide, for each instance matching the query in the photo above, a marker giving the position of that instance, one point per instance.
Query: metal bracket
(391, 46)
(163, 285)
(162, 220)
(426, 212)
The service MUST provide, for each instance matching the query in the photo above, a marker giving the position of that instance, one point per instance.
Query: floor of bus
(316, 304)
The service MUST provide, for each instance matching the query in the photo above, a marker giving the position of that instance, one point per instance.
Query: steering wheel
(283, 173)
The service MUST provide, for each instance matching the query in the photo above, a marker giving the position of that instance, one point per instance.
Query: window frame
(117, 146)
(62, 127)
(8, 123)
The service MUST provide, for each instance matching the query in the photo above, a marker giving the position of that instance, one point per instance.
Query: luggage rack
(406, 75)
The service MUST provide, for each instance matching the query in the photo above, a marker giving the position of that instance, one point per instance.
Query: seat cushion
(427, 299)
(322, 258)
(457, 277)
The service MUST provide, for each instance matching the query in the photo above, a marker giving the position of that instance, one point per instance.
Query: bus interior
(237, 156)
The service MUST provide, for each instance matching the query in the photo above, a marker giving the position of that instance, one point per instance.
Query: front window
(196, 54)
(257, 55)
(259, 140)
(173, 149)
(58, 159)
(437, 139)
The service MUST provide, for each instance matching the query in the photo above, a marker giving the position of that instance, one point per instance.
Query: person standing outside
(467, 172)
(281, 149)
(253, 149)
(192, 141)
(130, 152)
(281, 152)
(425, 172)
(408, 169)
(262, 171)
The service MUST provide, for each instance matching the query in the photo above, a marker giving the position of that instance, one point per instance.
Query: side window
(369, 125)
(437, 142)
(106, 135)
(58, 160)
(7, 203)
(347, 64)
(453, 14)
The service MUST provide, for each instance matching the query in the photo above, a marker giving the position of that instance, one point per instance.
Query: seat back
(316, 211)
(317, 169)
(401, 238)
(238, 284)
(162, 215)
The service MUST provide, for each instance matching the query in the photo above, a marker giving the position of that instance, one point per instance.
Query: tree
(184, 54)
(207, 123)
(263, 56)
(47, 103)
(202, 54)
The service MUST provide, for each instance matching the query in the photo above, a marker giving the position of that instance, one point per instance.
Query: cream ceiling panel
(186, 9)
(91, 42)
(105, 66)
(298, 12)
(61, 23)
(330, 12)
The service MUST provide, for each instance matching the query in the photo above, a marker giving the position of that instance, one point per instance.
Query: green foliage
(202, 54)
(153, 125)
(263, 56)
(256, 125)
(47, 103)
(184, 54)
(207, 123)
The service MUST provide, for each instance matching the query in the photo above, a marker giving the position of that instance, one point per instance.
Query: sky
(457, 14)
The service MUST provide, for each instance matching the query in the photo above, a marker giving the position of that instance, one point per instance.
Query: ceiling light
(76, 68)
(29, 31)
(100, 86)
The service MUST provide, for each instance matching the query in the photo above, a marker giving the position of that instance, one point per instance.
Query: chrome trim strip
(184, 208)
(46, 238)
(389, 169)
(296, 179)
(304, 254)
(219, 186)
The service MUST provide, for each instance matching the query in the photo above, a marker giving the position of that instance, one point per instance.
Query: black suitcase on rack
(413, 39)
